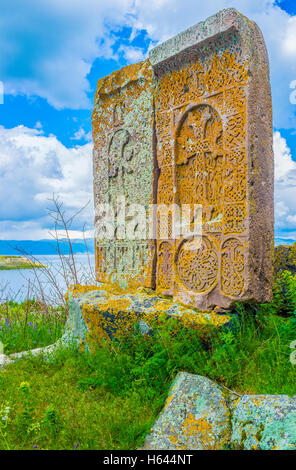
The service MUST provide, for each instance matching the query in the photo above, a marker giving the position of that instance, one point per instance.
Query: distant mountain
(49, 247)
(283, 241)
(44, 247)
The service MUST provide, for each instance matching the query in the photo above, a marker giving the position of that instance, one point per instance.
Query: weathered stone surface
(191, 126)
(124, 168)
(264, 422)
(199, 414)
(214, 148)
(195, 416)
(98, 312)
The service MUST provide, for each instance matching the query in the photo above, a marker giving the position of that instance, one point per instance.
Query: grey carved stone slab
(124, 171)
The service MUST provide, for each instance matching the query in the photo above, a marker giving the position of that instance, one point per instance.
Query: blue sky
(51, 55)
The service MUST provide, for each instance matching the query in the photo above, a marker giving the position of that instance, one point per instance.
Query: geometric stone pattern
(192, 125)
(123, 166)
(207, 126)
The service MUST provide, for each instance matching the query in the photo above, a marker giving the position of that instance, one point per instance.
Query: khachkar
(213, 128)
(124, 173)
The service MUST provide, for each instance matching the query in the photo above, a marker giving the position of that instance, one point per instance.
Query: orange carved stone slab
(214, 148)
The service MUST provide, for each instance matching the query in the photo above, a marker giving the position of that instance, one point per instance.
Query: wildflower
(30, 323)
(76, 445)
(35, 447)
(24, 386)
(4, 413)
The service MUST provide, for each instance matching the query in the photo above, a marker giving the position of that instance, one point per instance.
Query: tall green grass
(110, 398)
(29, 325)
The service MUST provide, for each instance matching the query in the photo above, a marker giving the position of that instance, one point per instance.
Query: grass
(29, 325)
(18, 262)
(109, 399)
(50, 410)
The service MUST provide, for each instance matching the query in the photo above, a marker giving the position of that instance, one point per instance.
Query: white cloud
(32, 168)
(47, 47)
(292, 219)
(82, 135)
(281, 209)
(289, 42)
(165, 18)
(132, 54)
(285, 187)
(283, 163)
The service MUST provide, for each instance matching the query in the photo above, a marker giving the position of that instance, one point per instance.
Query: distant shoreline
(8, 262)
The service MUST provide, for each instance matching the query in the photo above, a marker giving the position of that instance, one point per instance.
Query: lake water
(50, 282)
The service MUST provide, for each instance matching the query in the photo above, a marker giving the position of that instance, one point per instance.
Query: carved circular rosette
(197, 264)
(232, 267)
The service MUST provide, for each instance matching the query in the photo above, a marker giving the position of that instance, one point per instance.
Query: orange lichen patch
(169, 400)
(197, 430)
(77, 289)
(109, 312)
(121, 78)
(200, 429)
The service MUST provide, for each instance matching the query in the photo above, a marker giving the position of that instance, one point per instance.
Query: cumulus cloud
(165, 18)
(82, 135)
(32, 168)
(285, 187)
(289, 42)
(283, 162)
(132, 54)
(47, 48)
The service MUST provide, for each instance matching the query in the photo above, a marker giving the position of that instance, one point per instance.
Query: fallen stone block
(199, 414)
(97, 312)
(264, 422)
(196, 416)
